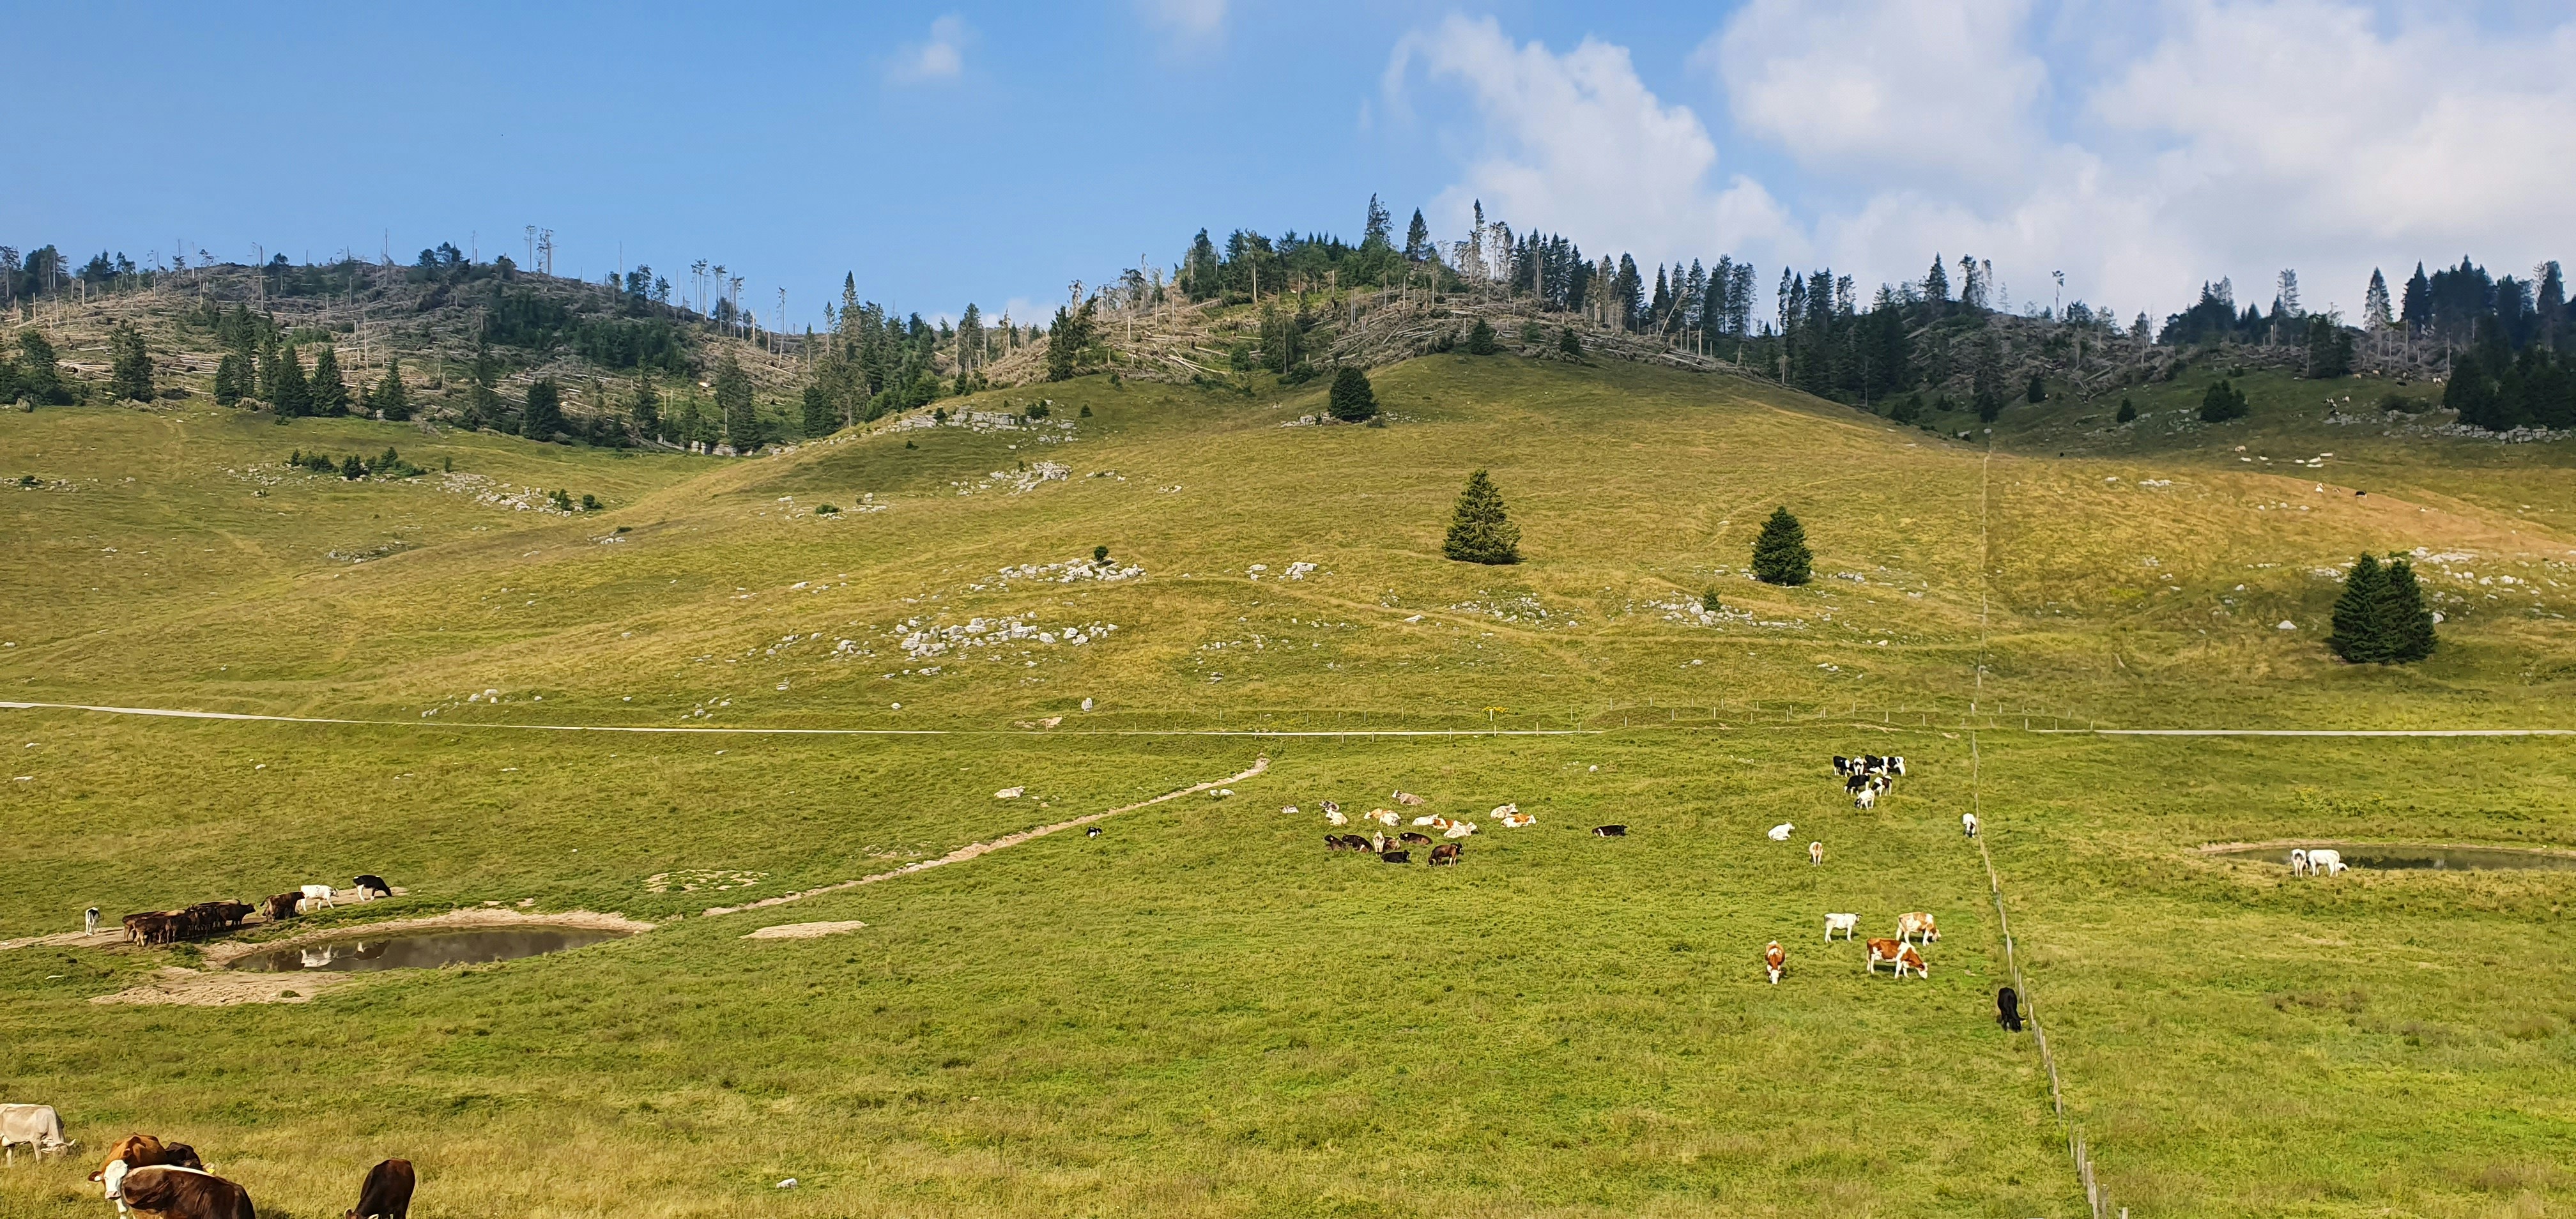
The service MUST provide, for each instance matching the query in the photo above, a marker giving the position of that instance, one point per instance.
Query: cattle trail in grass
(973, 849)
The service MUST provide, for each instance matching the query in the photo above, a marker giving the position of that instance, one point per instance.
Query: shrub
(1480, 340)
(1708, 600)
(2127, 412)
(1570, 343)
(2038, 391)
(2222, 403)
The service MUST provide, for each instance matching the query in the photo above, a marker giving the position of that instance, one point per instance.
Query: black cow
(2008, 1009)
(370, 881)
(387, 1193)
(1414, 838)
(1609, 831)
(1396, 857)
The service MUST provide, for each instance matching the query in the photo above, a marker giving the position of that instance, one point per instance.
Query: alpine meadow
(1311, 727)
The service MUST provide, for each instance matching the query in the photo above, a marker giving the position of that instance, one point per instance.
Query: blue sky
(994, 153)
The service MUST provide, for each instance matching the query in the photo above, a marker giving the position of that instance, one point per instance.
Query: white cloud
(2140, 150)
(1576, 143)
(1186, 18)
(942, 57)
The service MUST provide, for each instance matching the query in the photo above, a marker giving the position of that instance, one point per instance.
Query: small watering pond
(2398, 857)
(427, 950)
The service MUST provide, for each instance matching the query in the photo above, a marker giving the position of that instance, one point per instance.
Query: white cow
(1333, 816)
(1459, 829)
(309, 905)
(1518, 820)
(89, 920)
(1917, 926)
(1968, 824)
(1868, 798)
(1426, 819)
(1384, 816)
(2327, 863)
(1781, 832)
(37, 1126)
(1816, 854)
(1848, 924)
(2298, 862)
(1506, 810)
(319, 893)
(1291, 810)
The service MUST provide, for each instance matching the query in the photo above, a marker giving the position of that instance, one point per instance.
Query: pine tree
(1479, 530)
(821, 419)
(1569, 343)
(1066, 337)
(390, 399)
(233, 379)
(2038, 391)
(2374, 303)
(2404, 620)
(2222, 403)
(733, 403)
(1480, 340)
(40, 379)
(1417, 239)
(543, 416)
(1780, 555)
(329, 391)
(2127, 412)
(129, 365)
(1352, 400)
(2359, 630)
(483, 401)
(293, 396)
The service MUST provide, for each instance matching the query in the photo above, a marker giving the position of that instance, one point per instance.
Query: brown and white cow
(1897, 953)
(1775, 960)
(1917, 926)
(169, 1191)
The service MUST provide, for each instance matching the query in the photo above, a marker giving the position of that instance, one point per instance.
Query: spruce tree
(1780, 555)
(820, 419)
(1479, 531)
(2222, 403)
(2127, 412)
(129, 365)
(390, 399)
(293, 397)
(543, 416)
(1480, 341)
(734, 405)
(2404, 620)
(232, 379)
(648, 407)
(2038, 391)
(1569, 343)
(330, 392)
(2359, 635)
(1352, 400)
(40, 380)
(483, 402)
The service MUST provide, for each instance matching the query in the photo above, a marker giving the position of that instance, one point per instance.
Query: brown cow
(282, 907)
(387, 1193)
(167, 1192)
(1446, 853)
(1414, 839)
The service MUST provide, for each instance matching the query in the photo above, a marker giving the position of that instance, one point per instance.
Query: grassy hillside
(1201, 1011)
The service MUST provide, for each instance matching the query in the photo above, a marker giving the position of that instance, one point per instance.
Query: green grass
(1203, 1012)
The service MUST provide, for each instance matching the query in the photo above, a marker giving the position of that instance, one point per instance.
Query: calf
(1408, 799)
(1815, 854)
(1775, 960)
(1916, 925)
(169, 1192)
(2008, 1010)
(386, 1194)
(1609, 831)
(1093, 832)
(1845, 923)
(1333, 816)
(2298, 862)
(1446, 853)
(1395, 857)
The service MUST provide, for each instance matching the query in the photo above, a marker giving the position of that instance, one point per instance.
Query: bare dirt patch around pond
(219, 986)
(804, 931)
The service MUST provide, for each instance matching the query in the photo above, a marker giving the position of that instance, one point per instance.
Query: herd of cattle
(210, 918)
(1868, 777)
(144, 1175)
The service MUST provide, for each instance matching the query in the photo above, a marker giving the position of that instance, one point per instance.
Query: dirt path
(447, 725)
(972, 850)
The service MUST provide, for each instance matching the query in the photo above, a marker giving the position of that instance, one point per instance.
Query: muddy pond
(424, 950)
(2399, 857)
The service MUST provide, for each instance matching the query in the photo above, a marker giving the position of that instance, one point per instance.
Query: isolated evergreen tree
(129, 365)
(1780, 555)
(1352, 400)
(1570, 343)
(2222, 403)
(40, 379)
(1990, 406)
(2404, 620)
(329, 391)
(2127, 412)
(1480, 341)
(1479, 530)
(233, 379)
(733, 404)
(293, 396)
(391, 400)
(2360, 634)
(1417, 239)
(543, 415)
(2038, 391)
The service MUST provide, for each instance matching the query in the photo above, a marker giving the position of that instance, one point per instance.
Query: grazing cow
(1414, 838)
(1395, 857)
(1917, 926)
(1459, 829)
(369, 882)
(1842, 765)
(2298, 862)
(1867, 799)
(171, 1192)
(1968, 824)
(1781, 832)
(386, 1194)
(1446, 853)
(37, 1126)
(1408, 799)
(89, 920)
(140, 1150)
(1092, 832)
(1333, 816)
(1848, 924)
(319, 893)
(281, 906)
(2326, 863)
(1897, 953)
(1775, 959)
(1609, 831)
(2008, 1010)
(1815, 854)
